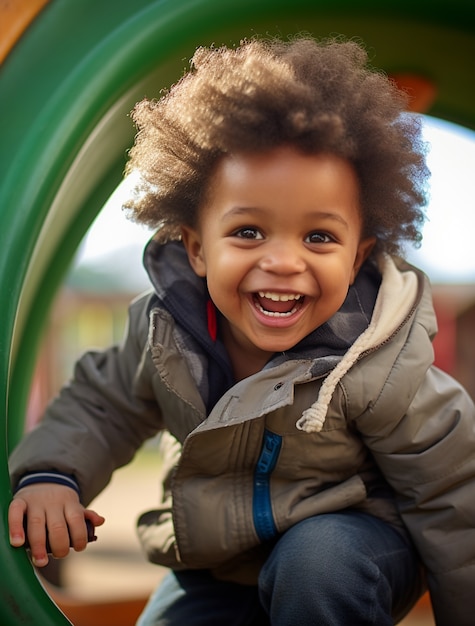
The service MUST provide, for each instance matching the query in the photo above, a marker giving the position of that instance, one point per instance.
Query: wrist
(55, 477)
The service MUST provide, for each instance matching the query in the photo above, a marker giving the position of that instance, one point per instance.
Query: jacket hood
(185, 296)
(377, 303)
(399, 296)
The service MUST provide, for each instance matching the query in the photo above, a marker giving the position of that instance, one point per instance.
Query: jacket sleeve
(100, 418)
(428, 456)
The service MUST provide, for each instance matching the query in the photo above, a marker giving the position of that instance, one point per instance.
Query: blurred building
(455, 342)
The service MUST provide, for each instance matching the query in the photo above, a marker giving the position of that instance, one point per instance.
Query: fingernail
(16, 540)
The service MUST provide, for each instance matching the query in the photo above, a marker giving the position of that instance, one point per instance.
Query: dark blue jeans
(344, 568)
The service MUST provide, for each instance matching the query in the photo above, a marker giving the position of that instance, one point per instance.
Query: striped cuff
(48, 477)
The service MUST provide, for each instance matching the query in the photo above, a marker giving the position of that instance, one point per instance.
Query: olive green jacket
(381, 430)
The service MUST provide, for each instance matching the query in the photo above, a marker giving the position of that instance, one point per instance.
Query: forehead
(284, 177)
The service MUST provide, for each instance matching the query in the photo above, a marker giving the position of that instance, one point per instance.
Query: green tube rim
(65, 91)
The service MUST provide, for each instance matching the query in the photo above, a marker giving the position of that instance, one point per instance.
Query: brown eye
(318, 237)
(248, 233)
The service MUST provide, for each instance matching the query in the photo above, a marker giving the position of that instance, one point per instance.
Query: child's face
(279, 242)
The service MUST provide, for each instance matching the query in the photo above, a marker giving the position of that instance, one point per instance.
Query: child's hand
(52, 512)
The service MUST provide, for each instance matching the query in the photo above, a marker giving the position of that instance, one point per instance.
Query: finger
(78, 530)
(89, 520)
(16, 514)
(36, 531)
(95, 518)
(58, 534)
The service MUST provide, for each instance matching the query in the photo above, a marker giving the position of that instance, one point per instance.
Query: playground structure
(70, 73)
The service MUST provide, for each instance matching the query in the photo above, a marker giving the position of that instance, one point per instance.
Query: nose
(283, 257)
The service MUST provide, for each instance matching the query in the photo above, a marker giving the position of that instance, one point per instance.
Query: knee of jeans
(321, 549)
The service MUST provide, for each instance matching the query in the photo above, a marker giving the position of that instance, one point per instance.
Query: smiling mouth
(275, 304)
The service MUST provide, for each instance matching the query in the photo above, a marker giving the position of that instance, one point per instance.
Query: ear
(364, 250)
(192, 241)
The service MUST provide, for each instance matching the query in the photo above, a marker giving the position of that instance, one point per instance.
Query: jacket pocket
(157, 538)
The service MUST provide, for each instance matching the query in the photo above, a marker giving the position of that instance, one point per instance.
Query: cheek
(335, 272)
(225, 282)
(334, 283)
(228, 268)
(222, 283)
(349, 270)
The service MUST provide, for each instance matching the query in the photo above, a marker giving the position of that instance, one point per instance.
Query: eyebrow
(244, 210)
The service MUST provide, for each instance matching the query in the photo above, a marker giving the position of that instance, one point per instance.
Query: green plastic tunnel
(66, 88)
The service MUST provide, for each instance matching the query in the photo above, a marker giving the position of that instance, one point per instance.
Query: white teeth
(274, 314)
(279, 297)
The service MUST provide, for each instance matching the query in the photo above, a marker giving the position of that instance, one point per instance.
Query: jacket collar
(185, 296)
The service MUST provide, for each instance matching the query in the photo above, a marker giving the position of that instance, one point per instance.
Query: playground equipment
(71, 71)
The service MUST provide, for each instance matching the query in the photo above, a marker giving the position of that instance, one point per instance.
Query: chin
(275, 346)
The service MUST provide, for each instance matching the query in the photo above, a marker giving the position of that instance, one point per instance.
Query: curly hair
(319, 97)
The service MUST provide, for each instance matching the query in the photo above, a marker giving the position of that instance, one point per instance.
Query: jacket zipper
(264, 523)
